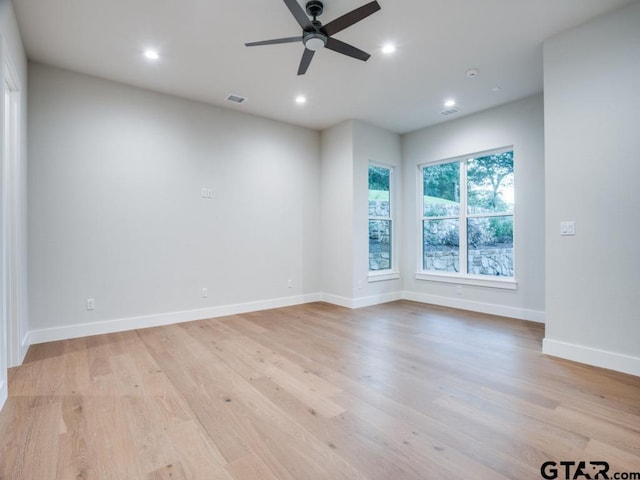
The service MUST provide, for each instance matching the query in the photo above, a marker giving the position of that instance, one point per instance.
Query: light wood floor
(392, 392)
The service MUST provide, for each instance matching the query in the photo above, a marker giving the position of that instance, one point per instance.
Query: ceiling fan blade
(350, 18)
(299, 14)
(274, 41)
(306, 60)
(346, 49)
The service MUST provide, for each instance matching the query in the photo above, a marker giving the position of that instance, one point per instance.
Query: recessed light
(301, 99)
(388, 48)
(449, 103)
(151, 54)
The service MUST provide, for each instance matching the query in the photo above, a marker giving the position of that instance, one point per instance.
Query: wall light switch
(568, 228)
(203, 192)
(205, 293)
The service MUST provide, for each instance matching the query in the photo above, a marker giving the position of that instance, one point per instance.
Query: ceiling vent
(236, 98)
(449, 111)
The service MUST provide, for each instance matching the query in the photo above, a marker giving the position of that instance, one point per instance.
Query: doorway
(11, 247)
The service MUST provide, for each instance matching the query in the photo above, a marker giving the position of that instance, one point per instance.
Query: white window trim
(460, 278)
(466, 279)
(382, 275)
(390, 273)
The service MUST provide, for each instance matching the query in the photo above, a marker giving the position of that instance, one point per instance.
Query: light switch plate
(568, 228)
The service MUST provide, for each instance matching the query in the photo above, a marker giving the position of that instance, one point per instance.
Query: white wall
(115, 211)
(519, 124)
(371, 143)
(592, 114)
(346, 150)
(336, 197)
(116, 214)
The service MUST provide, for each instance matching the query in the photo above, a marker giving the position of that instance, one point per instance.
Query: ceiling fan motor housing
(315, 8)
(316, 36)
(314, 41)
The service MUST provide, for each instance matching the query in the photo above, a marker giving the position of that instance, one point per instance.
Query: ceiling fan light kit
(314, 41)
(316, 36)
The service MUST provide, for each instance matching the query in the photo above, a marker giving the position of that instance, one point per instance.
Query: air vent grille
(236, 98)
(449, 111)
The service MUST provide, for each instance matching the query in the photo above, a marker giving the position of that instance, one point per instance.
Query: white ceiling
(203, 57)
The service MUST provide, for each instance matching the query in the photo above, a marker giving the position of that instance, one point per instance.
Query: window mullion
(490, 214)
(452, 217)
(463, 218)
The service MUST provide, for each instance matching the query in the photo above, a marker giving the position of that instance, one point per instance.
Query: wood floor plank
(169, 472)
(251, 466)
(400, 391)
(200, 457)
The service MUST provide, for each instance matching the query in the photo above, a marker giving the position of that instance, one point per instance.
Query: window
(380, 219)
(467, 216)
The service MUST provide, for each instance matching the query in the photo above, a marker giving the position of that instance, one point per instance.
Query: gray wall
(347, 149)
(116, 213)
(374, 144)
(519, 124)
(592, 116)
(336, 199)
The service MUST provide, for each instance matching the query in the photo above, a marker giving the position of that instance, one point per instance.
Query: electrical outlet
(289, 283)
(91, 304)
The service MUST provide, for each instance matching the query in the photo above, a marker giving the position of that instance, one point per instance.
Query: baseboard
(592, 356)
(361, 302)
(492, 309)
(376, 299)
(24, 348)
(337, 300)
(481, 307)
(16, 358)
(4, 393)
(145, 321)
(131, 323)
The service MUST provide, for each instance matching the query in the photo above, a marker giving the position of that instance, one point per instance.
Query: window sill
(383, 276)
(492, 282)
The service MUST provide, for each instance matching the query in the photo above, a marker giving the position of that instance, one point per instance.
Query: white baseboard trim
(123, 324)
(376, 299)
(592, 356)
(481, 307)
(24, 348)
(337, 300)
(4, 393)
(131, 323)
(361, 302)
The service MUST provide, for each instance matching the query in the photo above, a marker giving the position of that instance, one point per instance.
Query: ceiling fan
(316, 36)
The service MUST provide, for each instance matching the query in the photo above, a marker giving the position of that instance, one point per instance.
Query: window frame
(462, 277)
(392, 272)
